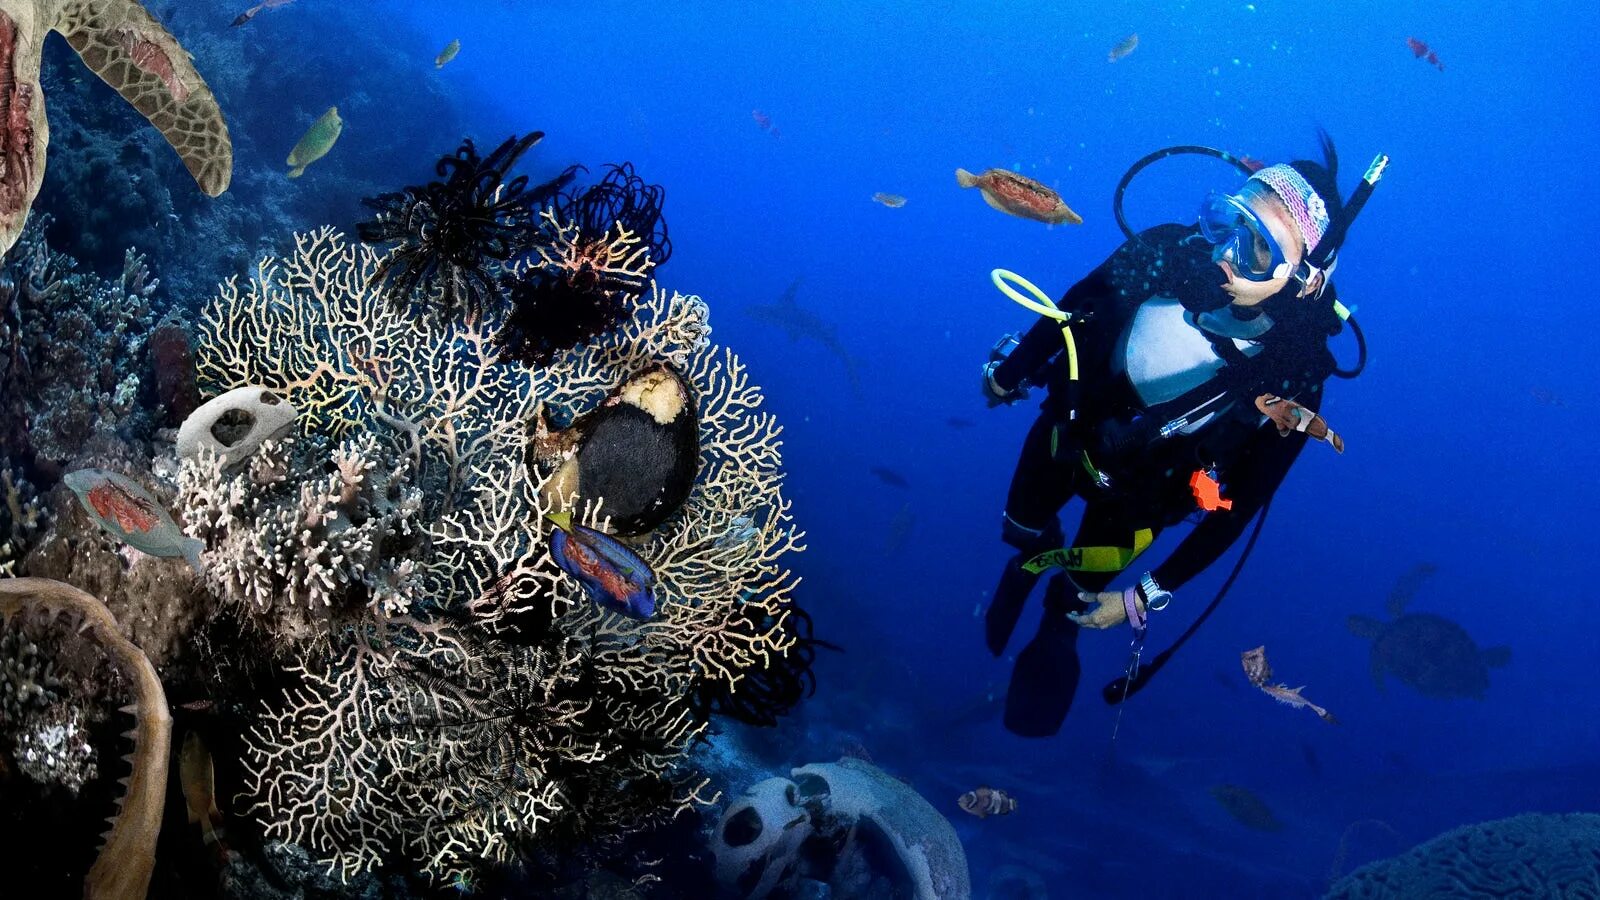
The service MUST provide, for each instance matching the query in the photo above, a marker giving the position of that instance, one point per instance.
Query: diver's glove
(1111, 607)
(1107, 608)
(993, 394)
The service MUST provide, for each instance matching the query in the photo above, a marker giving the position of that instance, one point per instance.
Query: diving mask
(1241, 239)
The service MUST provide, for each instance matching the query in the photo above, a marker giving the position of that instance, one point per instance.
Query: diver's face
(1276, 217)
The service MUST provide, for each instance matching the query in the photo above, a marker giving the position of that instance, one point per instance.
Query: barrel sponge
(1531, 855)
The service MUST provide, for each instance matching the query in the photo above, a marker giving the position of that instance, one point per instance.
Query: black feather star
(556, 311)
(455, 236)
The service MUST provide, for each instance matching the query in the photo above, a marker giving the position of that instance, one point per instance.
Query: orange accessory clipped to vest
(1207, 492)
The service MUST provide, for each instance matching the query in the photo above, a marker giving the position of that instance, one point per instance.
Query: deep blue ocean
(1470, 437)
(1470, 434)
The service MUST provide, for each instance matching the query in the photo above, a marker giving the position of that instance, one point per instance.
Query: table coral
(492, 708)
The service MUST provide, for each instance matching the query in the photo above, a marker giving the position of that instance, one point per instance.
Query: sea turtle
(122, 43)
(1431, 653)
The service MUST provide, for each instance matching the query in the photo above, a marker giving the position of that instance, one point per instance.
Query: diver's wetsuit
(1144, 362)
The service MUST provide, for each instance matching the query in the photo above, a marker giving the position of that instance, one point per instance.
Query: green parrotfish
(316, 142)
(448, 53)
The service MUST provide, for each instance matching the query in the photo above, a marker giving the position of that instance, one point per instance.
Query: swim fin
(1010, 595)
(1046, 674)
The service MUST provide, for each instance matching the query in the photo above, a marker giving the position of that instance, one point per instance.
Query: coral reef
(487, 710)
(22, 517)
(50, 741)
(1524, 856)
(299, 547)
(122, 870)
(79, 356)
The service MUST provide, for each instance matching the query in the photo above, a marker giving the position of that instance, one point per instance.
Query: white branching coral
(490, 705)
(298, 545)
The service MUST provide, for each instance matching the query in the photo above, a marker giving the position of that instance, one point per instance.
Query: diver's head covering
(1309, 190)
(1306, 207)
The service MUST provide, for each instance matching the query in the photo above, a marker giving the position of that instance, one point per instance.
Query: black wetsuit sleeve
(1265, 462)
(1043, 341)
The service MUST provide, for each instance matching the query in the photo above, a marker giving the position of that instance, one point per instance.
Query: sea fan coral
(454, 236)
(495, 739)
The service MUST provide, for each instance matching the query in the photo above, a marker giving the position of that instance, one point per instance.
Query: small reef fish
(1251, 163)
(316, 142)
(1259, 672)
(128, 513)
(1123, 48)
(742, 530)
(1020, 196)
(893, 201)
(199, 780)
(614, 576)
(448, 53)
(1423, 51)
(253, 11)
(1291, 416)
(1548, 397)
(1242, 803)
(890, 477)
(764, 121)
(987, 801)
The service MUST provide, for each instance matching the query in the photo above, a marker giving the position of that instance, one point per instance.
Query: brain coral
(1524, 856)
(490, 709)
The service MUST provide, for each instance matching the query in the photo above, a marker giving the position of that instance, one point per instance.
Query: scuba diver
(1154, 408)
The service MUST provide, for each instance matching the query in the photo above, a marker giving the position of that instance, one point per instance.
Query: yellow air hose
(1039, 303)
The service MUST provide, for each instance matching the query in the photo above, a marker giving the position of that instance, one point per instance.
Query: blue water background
(1471, 436)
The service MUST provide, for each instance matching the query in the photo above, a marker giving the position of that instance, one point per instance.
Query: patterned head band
(1306, 208)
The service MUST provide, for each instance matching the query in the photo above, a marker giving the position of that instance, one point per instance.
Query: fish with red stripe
(614, 576)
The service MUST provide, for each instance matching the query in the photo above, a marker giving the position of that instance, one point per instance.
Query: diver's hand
(1107, 610)
(993, 394)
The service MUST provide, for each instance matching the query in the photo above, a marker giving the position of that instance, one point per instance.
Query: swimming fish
(893, 201)
(890, 477)
(199, 780)
(253, 11)
(615, 577)
(1020, 196)
(1423, 51)
(1123, 48)
(764, 122)
(316, 142)
(448, 53)
(1259, 672)
(128, 513)
(1243, 804)
(987, 801)
(1291, 416)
